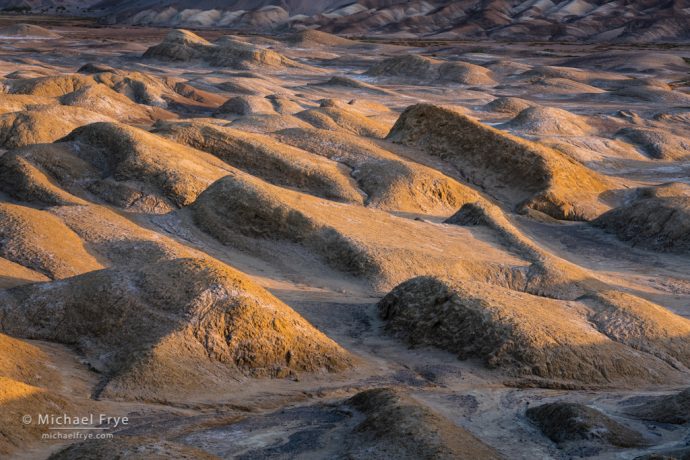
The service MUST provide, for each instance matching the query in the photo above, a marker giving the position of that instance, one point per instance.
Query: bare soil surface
(215, 272)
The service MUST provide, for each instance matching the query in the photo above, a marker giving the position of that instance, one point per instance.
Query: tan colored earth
(305, 245)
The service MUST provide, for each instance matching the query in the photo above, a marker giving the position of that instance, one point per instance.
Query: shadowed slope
(389, 181)
(263, 157)
(520, 172)
(568, 422)
(397, 426)
(362, 242)
(656, 217)
(550, 341)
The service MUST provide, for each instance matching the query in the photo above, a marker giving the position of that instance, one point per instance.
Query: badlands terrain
(630, 21)
(300, 245)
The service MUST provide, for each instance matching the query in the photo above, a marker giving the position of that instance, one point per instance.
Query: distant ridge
(643, 21)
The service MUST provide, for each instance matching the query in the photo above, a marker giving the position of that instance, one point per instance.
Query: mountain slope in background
(567, 20)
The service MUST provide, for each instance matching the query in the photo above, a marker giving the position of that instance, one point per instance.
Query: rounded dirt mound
(25, 174)
(409, 66)
(549, 342)
(308, 38)
(246, 105)
(262, 156)
(548, 121)
(389, 182)
(657, 218)
(657, 143)
(179, 45)
(184, 46)
(51, 86)
(139, 169)
(465, 74)
(423, 69)
(349, 83)
(43, 124)
(173, 327)
(523, 173)
(342, 118)
(105, 101)
(245, 212)
(397, 426)
(511, 105)
(568, 422)
(673, 409)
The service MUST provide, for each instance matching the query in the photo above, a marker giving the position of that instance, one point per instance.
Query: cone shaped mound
(172, 327)
(508, 105)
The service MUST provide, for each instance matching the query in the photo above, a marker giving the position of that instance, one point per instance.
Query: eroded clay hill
(655, 217)
(389, 181)
(398, 426)
(588, 342)
(263, 157)
(184, 46)
(418, 69)
(520, 172)
(241, 211)
(124, 166)
(174, 327)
